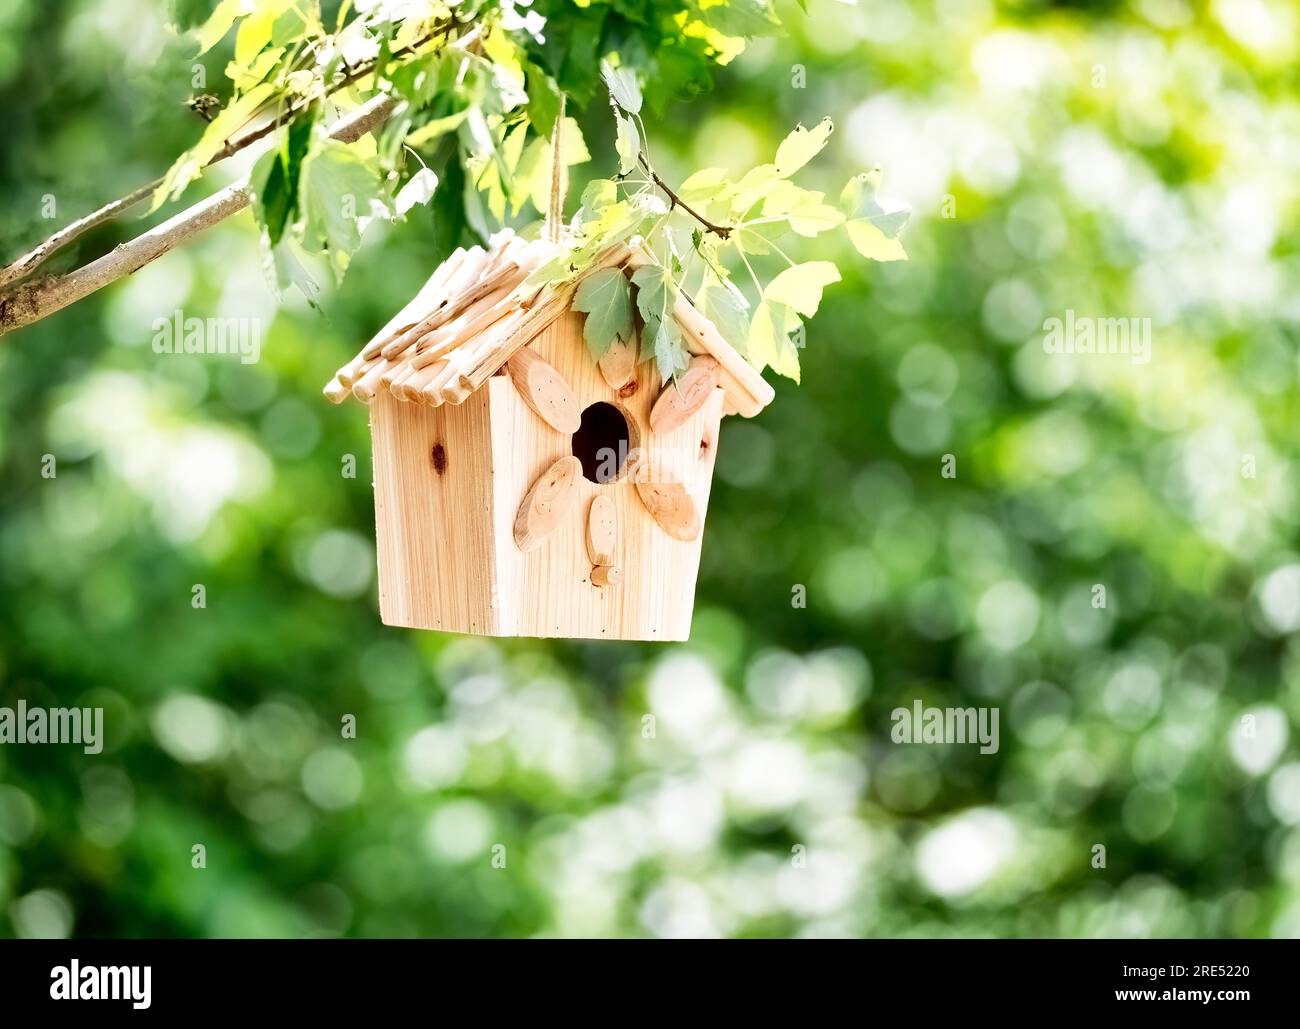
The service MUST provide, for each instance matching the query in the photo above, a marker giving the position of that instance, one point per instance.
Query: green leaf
(618, 222)
(508, 72)
(812, 218)
(787, 358)
(572, 50)
(543, 100)
(655, 290)
(656, 296)
(188, 14)
(338, 188)
(269, 195)
(752, 239)
(189, 166)
(804, 209)
(801, 146)
(753, 187)
(769, 339)
(605, 296)
(273, 182)
(859, 200)
(284, 266)
(391, 140)
(419, 189)
(800, 286)
(746, 18)
(297, 19)
(670, 355)
(534, 173)
(874, 223)
(704, 184)
(623, 87)
(597, 195)
(447, 209)
(873, 244)
(254, 33)
(218, 24)
(436, 128)
(628, 143)
(245, 78)
(419, 80)
(726, 309)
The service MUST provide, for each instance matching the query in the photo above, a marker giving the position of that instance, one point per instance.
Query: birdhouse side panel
(433, 514)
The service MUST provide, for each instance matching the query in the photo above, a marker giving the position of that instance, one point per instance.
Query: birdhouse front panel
(523, 488)
(548, 590)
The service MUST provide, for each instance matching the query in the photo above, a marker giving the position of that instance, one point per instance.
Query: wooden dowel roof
(476, 311)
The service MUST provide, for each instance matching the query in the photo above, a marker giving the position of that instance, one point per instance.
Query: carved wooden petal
(602, 531)
(680, 400)
(547, 501)
(618, 364)
(672, 507)
(545, 391)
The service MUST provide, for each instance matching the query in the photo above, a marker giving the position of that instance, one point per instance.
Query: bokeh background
(1135, 159)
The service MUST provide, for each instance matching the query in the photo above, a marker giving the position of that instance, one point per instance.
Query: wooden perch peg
(602, 542)
(672, 507)
(546, 503)
(606, 575)
(545, 391)
(681, 399)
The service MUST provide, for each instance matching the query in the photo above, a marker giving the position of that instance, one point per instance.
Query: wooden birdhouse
(523, 489)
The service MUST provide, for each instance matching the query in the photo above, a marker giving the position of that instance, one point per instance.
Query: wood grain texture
(433, 515)
(447, 553)
(551, 588)
(545, 391)
(618, 364)
(602, 530)
(671, 506)
(681, 399)
(336, 392)
(548, 501)
(432, 294)
(606, 575)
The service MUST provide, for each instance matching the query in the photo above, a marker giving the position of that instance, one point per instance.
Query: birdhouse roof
(478, 309)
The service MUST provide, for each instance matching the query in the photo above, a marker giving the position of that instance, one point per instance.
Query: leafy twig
(354, 74)
(31, 301)
(767, 242)
(721, 231)
(33, 259)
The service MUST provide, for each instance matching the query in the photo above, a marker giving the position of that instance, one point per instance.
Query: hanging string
(555, 216)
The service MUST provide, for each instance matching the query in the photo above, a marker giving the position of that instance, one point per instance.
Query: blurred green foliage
(1121, 160)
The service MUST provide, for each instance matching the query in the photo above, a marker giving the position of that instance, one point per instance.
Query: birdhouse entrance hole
(603, 442)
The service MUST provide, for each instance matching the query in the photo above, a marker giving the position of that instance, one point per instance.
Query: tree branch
(30, 302)
(29, 262)
(354, 74)
(721, 231)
